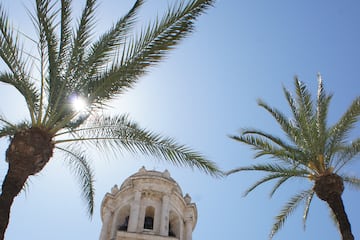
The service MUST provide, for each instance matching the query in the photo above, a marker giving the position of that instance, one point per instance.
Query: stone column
(188, 228)
(134, 212)
(106, 224)
(164, 220)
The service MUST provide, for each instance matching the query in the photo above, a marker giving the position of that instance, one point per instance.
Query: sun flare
(79, 104)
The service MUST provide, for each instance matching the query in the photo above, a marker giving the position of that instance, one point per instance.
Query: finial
(166, 174)
(114, 189)
(142, 169)
(187, 198)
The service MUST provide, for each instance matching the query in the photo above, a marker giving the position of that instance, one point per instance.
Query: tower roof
(144, 174)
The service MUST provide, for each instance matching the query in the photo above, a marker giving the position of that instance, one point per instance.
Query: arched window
(124, 225)
(149, 218)
(123, 218)
(171, 231)
(174, 225)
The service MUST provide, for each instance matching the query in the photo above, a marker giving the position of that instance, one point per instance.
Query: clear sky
(204, 91)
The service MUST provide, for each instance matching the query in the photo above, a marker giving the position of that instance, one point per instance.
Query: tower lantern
(149, 205)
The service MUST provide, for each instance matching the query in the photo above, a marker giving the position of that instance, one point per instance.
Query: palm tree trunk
(12, 185)
(336, 204)
(28, 153)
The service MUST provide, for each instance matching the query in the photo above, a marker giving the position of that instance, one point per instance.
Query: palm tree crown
(312, 150)
(68, 67)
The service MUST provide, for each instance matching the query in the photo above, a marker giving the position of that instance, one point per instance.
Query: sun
(79, 104)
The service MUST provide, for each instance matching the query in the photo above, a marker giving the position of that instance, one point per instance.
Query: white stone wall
(153, 194)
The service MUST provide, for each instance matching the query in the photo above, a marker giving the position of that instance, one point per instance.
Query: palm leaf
(11, 54)
(271, 168)
(280, 182)
(306, 115)
(285, 151)
(103, 51)
(301, 140)
(352, 181)
(119, 133)
(48, 43)
(80, 167)
(10, 50)
(288, 209)
(65, 36)
(322, 105)
(285, 124)
(81, 41)
(304, 102)
(147, 50)
(8, 129)
(26, 88)
(274, 170)
(346, 154)
(266, 144)
(45, 18)
(61, 87)
(339, 131)
(309, 199)
(263, 180)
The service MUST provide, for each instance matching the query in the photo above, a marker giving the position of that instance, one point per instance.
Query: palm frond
(148, 49)
(44, 20)
(351, 181)
(288, 209)
(26, 88)
(345, 154)
(285, 151)
(81, 40)
(271, 168)
(78, 164)
(306, 115)
(7, 132)
(304, 101)
(8, 129)
(119, 133)
(61, 51)
(280, 182)
(10, 50)
(12, 55)
(65, 84)
(65, 36)
(301, 137)
(264, 180)
(322, 106)
(46, 15)
(309, 199)
(106, 48)
(339, 131)
(286, 125)
(267, 144)
(291, 102)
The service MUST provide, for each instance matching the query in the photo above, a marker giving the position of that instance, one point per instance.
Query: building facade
(149, 205)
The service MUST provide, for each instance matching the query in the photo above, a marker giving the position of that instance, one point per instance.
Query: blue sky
(204, 91)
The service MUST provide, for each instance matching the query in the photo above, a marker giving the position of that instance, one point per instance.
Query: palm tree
(313, 150)
(70, 66)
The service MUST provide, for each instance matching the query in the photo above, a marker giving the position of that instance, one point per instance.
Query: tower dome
(149, 205)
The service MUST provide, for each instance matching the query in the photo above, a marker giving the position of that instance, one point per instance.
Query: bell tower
(149, 205)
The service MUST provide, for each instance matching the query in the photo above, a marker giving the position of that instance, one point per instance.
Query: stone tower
(149, 205)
